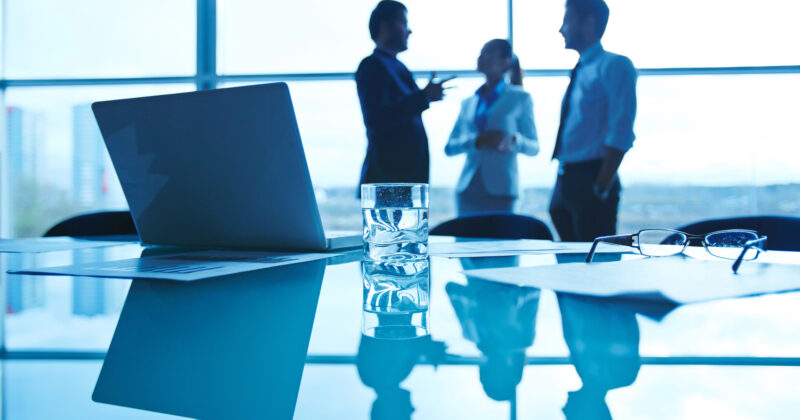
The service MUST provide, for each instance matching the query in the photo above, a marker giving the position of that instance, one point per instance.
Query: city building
(23, 292)
(89, 168)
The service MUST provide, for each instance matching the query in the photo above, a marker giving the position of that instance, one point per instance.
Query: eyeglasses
(734, 244)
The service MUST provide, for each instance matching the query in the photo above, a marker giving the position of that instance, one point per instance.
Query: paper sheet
(189, 266)
(517, 247)
(776, 257)
(676, 279)
(60, 243)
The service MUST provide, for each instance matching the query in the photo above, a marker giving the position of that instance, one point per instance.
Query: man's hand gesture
(434, 91)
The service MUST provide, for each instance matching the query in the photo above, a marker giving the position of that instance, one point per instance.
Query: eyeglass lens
(661, 242)
(729, 244)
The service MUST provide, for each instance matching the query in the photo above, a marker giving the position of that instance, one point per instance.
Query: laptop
(222, 168)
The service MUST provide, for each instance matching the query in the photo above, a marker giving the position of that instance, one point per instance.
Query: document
(189, 266)
(776, 257)
(676, 279)
(59, 243)
(499, 248)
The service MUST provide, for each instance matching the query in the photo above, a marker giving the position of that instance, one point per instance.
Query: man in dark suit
(392, 103)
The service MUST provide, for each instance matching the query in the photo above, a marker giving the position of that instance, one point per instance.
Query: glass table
(287, 343)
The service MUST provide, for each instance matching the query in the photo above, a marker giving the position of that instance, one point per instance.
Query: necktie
(565, 110)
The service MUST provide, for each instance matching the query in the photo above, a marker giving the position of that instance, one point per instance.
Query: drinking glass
(395, 267)
(395, 222)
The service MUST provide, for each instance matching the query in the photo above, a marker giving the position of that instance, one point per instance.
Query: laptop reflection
(230, 348)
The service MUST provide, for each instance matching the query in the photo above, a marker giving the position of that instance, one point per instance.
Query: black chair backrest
(783, 232)
(104, 223)
(496, 225)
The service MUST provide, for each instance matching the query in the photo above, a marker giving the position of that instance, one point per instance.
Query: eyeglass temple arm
(626, 240)
(758, 243)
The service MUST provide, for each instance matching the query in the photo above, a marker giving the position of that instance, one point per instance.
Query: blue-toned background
(716, 127)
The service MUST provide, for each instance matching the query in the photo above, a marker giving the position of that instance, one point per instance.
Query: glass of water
(395, 222)
(395, 267)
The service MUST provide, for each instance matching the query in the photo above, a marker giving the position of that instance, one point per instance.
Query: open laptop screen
(218, 168)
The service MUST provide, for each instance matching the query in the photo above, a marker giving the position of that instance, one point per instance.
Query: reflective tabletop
(287, 342)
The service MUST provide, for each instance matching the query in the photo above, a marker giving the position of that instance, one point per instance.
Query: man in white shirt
(596, 128)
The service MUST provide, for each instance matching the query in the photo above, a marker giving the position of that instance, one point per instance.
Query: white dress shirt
(512, 113)
(602, 107)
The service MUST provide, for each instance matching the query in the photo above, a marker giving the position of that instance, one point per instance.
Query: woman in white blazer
(494, 125)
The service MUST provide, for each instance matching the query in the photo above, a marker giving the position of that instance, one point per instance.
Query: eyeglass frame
(628, 240)
(757, 243)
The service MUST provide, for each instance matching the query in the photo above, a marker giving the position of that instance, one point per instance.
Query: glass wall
(59, 57)
(715, 127)
(97, 38)
(675, 34)
(57, 163)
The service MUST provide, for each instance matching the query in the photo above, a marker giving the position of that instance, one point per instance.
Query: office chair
(783, 232)
(103, 223)
(494, 225)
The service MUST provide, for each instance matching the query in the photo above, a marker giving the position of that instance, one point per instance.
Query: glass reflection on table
(500, 319)
(384, 363)
(602, 335)
(228, 347)
(394, 332)
(395, 298)
(621, 364)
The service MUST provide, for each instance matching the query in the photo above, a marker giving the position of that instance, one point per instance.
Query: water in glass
(395, 235)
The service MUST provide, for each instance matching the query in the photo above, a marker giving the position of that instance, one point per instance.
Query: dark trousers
(578, 215)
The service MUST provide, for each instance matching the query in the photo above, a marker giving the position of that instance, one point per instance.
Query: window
(681, 33)
(327, 37)
(98, 38)
(57, 164)
(729, 132)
